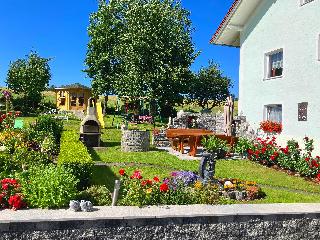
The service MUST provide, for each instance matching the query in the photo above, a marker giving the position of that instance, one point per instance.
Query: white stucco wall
(282, 24)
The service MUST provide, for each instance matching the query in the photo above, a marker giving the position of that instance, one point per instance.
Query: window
(62, 98)
(273, 112)
(81, 99)
(302, 2)
(62, 101)
(73, 99)
(274, 64)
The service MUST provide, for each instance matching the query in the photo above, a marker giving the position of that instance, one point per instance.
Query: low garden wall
(272, 221)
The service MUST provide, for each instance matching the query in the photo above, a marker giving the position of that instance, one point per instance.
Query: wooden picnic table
(193, 136)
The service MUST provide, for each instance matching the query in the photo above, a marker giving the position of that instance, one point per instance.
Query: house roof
(73, 86)
(228, 32)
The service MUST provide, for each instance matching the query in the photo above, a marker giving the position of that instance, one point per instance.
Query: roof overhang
(228, 32)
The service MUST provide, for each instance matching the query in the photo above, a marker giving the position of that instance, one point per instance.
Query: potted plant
(216, 146)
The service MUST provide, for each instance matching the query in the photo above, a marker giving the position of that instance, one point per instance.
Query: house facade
(279, 73)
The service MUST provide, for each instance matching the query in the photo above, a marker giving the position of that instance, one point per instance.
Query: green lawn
(278, 186)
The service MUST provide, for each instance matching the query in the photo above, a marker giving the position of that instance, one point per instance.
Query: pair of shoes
(85, 206)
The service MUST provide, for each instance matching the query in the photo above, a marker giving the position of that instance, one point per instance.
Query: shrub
(264, 151)
(10, 196)
(25, 157)
(48, 124)
(243, 145)
(98, 195)
(48, 186)
(74, 155)
(216, 145)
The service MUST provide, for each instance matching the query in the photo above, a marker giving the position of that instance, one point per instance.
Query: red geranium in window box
(271, 127)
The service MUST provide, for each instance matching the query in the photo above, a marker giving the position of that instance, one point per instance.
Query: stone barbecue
(90, 129)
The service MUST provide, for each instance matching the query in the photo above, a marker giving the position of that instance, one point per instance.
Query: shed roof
(73, 86)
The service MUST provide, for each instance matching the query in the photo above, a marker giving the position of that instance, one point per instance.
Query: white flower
(2, 148)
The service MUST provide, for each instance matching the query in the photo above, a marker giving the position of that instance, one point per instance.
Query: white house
(279, 75)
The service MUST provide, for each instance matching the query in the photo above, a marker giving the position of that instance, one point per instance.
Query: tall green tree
(28, 77)
(141, 48)
(209, 87)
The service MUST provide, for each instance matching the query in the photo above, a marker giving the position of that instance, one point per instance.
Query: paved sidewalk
(36, 215)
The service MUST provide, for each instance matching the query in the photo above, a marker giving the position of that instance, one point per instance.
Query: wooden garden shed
(72, 97)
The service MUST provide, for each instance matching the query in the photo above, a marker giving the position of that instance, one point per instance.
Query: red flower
(318, 177)
(307, 159)
(5, 186)
(250, 151)
(136, 174)
(164, 187)
(122, 172)
(16, 202)
(156, 179)
(314, 163)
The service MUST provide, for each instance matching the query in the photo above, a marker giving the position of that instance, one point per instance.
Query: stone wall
(273, 226)
(135, 141)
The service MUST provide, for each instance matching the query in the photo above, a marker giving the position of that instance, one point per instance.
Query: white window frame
(303, 2)
(267, 64)
(265, 114)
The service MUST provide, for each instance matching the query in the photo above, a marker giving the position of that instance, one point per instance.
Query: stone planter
(135, 141)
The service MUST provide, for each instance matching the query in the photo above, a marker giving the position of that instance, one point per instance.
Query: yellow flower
(149, 190)
(197, 185)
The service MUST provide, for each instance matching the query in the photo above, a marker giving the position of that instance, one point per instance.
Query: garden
(44, 165)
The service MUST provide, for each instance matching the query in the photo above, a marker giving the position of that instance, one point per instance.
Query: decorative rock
(135, 141)
(74, 205)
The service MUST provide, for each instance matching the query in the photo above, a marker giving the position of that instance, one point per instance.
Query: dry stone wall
(255, 227)
(135, 141)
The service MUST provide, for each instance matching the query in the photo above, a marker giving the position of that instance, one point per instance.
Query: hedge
(74, 155)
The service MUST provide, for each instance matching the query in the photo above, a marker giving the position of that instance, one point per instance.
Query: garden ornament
(86, 206)
(228, 116)
(207, 166)
(74, 205)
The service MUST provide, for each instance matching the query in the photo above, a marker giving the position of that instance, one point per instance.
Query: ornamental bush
(243, 145)
(75, 156)
(98, 195)
(48, 124)
(48, 186)
(267, 152)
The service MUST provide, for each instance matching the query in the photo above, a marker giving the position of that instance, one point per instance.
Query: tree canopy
(29, 77)
(141, 48)
(209, 87)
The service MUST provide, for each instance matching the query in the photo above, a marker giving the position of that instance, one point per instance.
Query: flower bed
(183, 188)
(292, 157)
(23, 150)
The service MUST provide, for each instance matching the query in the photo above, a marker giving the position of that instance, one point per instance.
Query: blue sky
(57, 29)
